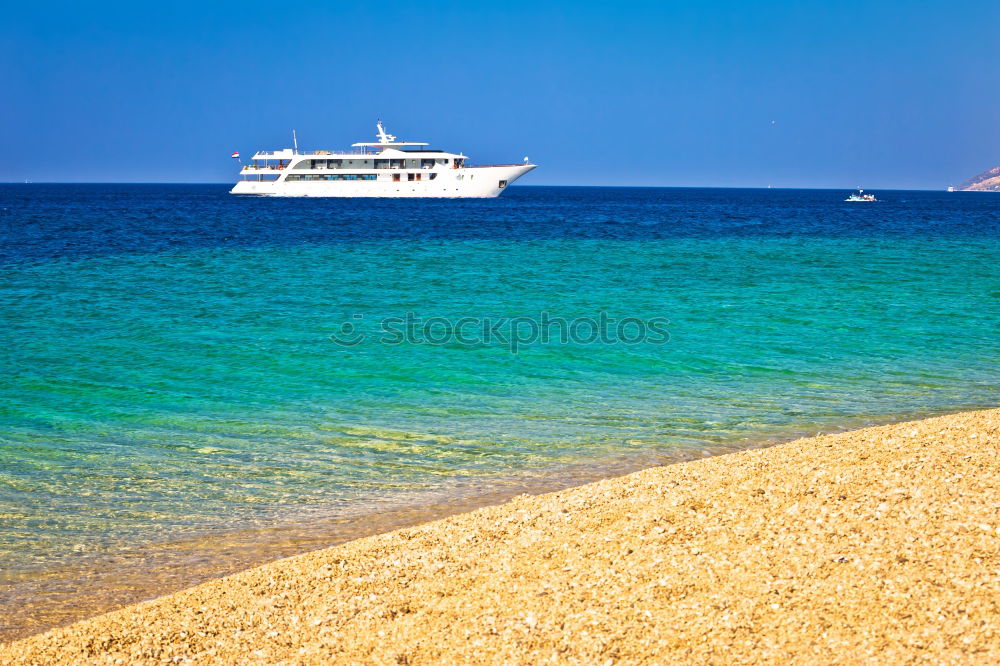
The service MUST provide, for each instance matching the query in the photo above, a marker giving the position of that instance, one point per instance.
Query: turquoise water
(169, 368)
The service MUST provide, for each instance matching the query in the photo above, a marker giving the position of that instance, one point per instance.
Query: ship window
(395, 177)
(410, 176)
(330, 176)
(318, 164)
(433, 176)
(426, 164)
(503, 184)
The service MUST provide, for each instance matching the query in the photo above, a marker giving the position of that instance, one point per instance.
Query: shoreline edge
(874, 543)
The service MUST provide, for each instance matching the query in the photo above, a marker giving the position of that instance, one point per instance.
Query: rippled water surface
(169, 371)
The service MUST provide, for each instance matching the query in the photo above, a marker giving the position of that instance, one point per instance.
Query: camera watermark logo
(513, 333)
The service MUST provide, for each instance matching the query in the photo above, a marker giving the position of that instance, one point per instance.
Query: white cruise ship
(385, 168)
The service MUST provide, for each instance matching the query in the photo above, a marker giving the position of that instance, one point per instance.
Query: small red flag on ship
(235, 155)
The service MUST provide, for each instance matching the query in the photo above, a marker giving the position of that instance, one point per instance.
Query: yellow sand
(880, 546)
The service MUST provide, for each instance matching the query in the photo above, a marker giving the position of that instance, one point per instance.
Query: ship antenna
(295, 142)
(382, 136)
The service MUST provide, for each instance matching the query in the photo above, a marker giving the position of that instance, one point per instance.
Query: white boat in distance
(861, 196)
(385, 168)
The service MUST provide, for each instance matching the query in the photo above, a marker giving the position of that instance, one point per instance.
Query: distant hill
(987, 181)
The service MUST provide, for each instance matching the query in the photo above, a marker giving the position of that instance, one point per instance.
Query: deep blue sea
(179, 363)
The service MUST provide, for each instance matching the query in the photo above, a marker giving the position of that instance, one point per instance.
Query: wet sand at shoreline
(881, 545)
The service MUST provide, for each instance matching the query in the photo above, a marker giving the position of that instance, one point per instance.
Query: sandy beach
(879, 545)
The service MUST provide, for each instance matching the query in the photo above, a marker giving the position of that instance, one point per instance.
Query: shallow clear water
(169, 370)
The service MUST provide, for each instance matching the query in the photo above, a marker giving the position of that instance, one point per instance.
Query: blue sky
(790, 94)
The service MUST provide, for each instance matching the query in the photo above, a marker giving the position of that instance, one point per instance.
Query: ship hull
(467, 182)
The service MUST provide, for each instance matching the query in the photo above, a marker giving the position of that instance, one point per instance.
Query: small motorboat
(861, 196)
